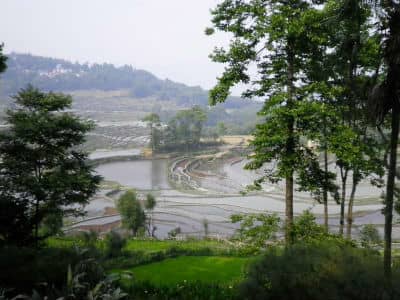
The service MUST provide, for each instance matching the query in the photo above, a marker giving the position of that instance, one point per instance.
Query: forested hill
(61, 75)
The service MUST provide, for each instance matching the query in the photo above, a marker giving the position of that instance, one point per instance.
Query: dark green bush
(113, 244)
(182, 291)
(319, 270)
(22, 268)
(369, 236)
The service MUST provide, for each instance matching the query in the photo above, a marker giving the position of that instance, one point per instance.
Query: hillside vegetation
(50, 74)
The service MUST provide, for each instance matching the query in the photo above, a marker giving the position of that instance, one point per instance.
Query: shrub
(369, 236)
(174, 232)
(132, 213)
(182, 291)
(22, 268)
(256, 230)
(90, 241)
(51, 273)
(318, 270)
(113, 245)
(305, 228)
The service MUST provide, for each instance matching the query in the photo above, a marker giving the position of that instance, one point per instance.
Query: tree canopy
(42, 170)
(132, 213)
(279, 40)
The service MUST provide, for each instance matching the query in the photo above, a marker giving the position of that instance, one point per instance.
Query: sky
(165, 37)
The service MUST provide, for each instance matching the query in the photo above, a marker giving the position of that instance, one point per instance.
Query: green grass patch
(149, 246)
(205, 269)
(63, 242)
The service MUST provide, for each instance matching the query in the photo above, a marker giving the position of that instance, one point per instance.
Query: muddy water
(138, 174)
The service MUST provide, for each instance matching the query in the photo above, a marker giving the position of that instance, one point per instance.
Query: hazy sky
(165, 37)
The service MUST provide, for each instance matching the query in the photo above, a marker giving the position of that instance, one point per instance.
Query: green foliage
(42, 171)
(76, 276)
(280, 40)
(22, 268)
(191, 246)
(181, 291)
(152, 118)
(185, 129)
(150, 202)
(324, 270)
(305, 229)
(114, 243)
(3, 59)
(132, 214)
(52, 224)
(174, 232)
(205, 227)
(221, 128)
(369, 236)
(89, 238)
(344, 77)
(256, 230)
(155, 135)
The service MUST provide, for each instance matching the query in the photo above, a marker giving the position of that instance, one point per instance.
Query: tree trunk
(37, 223)
(152, 223)
(289, 185)
(325, 191)
(390, 185)
(289, 208)
(351, 204)
(152, 139)
(343, 199)
(149, 227)
(290, 145)
(392, 91)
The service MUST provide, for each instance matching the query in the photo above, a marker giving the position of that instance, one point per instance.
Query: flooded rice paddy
(215, 195)
(137, 174)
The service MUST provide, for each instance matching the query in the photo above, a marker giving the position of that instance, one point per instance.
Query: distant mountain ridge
(62, 75)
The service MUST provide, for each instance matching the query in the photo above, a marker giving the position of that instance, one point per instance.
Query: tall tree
(324, 132)
(341, 74)
(149, 204)
(355, 57)
(277, 38)
(154, 121)
(385, 102)
(185, 129)
(42, 171)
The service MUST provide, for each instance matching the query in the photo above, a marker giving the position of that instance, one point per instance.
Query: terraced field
(192, 191)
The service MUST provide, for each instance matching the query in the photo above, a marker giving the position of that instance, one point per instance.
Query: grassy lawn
(207, 269)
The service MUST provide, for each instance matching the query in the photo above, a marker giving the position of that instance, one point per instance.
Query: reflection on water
(138, 174)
